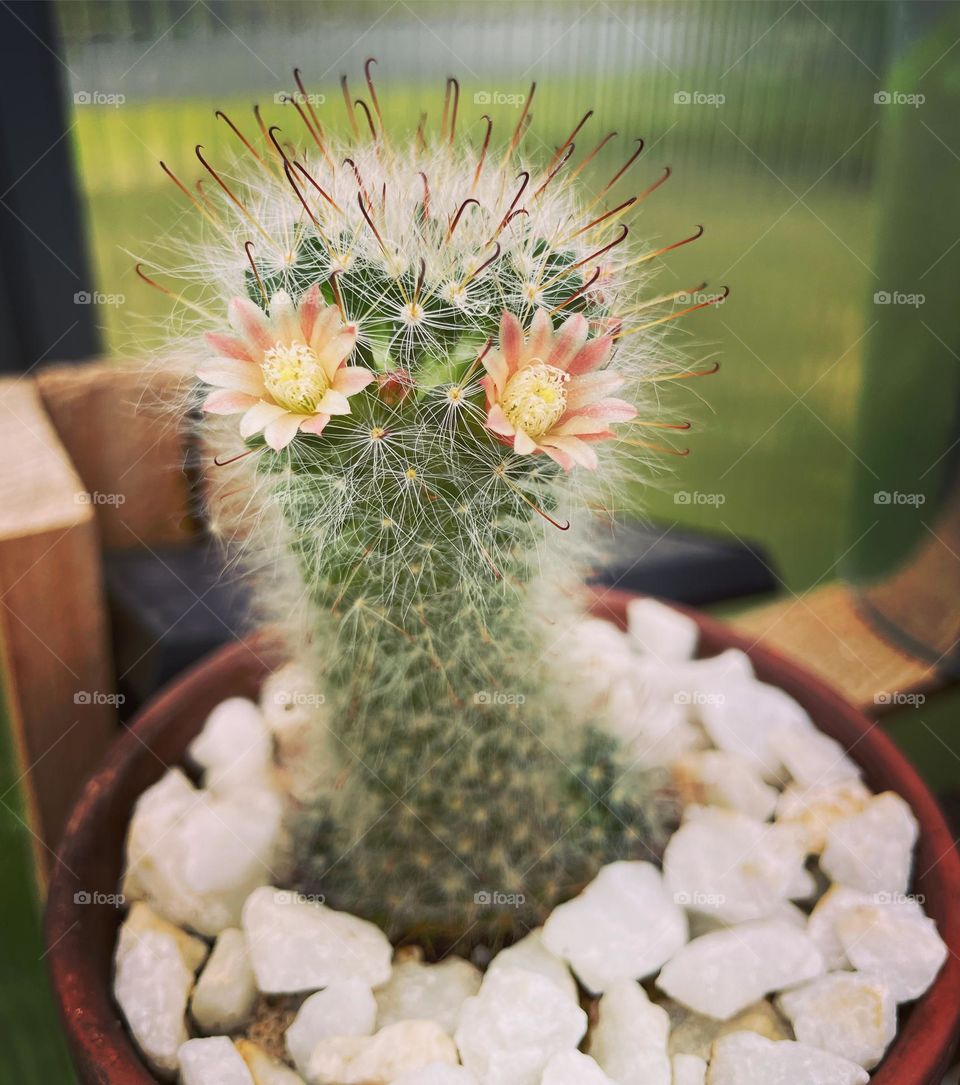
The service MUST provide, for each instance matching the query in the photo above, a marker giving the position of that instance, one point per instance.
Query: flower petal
(590, 355)
(337, 349)
(559, 456)
(314, 424)
(351, 379)
(498, 421)
(579, 452)
(279, 433)
(240, 376)
(511, 340)
(606, 410)
(333, 402)
(524, 444)
(567, 342)
(310, 302)
(251, 323)
(228, 401)
(284, 319)
(590, 387)
(326, 324)
(230, 346)
(541, 333)
(496, 366)
(260, 414)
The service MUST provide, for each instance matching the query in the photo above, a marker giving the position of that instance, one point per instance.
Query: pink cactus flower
(547, 393)
(286, 372)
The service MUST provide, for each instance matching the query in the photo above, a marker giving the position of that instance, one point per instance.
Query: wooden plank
(826, 632)
(121, 426)
(52, 616)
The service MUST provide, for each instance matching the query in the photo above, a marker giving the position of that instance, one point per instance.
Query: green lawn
(772, 429)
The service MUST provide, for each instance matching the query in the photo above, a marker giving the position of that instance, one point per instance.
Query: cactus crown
(426, 341)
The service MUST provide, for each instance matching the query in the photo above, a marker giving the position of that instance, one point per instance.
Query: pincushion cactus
(433, 346)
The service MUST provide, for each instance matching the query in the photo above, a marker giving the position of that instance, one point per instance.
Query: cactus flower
(284, 370)
(547, 393)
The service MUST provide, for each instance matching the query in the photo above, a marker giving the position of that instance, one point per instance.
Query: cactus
(426, 336)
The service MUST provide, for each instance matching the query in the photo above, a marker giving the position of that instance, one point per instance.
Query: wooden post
(121, 426)
(53, 627)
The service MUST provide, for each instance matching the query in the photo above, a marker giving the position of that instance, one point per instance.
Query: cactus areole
(426, 358)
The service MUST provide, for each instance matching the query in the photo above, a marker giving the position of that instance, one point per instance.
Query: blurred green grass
(771, 455)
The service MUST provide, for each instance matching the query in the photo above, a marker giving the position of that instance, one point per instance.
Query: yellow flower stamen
(294, 377)
(535, 398)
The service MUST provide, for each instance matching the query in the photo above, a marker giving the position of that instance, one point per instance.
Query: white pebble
(692, 1033)
(298, 945)
(437, 1073)
(154, 970)
(812, 758)
(295, 712)
(380, 1059)
(427, 992)
(725, 864)
(898, 944)
(718, 778)
(195, 856)
(822, 923)
(722, 973)
(623, 925)
(264, 1068)
(531, 954)
(574, 1068)
(233, 748)
(873, 850)
(661, 631)
(652, 731)
(629, 1041)
(212, 1061)
(142, 918)
(816, 808)
(226, 991)
(743, 716)
(744, 1058)
(345, 1008)
(509, 1031)
(848, 1013)
(688, 1070)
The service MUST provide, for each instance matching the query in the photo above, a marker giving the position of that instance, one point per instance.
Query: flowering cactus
(426, 336)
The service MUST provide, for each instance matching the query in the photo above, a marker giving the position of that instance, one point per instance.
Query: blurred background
(817, 142)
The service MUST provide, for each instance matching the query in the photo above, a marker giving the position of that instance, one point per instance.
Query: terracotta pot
(81, 936)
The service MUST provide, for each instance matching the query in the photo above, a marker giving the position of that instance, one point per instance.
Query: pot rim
(93, 841)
